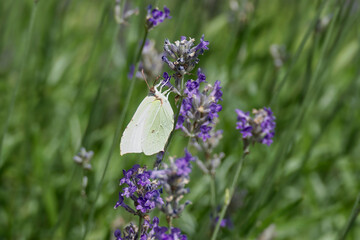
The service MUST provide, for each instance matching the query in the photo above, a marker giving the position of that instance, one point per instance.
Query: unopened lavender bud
(117, 11)
(279, 55)
(84, 185)
(77, 159)
(85, 182)
(170, 64)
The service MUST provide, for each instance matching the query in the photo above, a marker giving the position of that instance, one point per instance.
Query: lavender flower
(83, 158)
(130, 233)
(141, 190)
(261, 128)
(151, 63)
(173, 179)
(121, 16)
(212, 160)
(150, 231)
(184, 55)
(225, 223)
(156, 16)
(159, 233)
(199, 109)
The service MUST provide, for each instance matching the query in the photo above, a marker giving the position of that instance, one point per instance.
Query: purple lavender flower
(166, 82)
(175, 234)
(140, 189)
(117, 234)
(182, 57)
(261, 128)
(131, 71)
(173, 179)
(156, 16)
(159, 233)
(130, 233)
(199, 109)
(204, 132)
(150, 230)
(225, 223)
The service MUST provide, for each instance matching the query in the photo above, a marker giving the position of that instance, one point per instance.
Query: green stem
(228, 197)
(213, 193)
(20, 79)
(140, 228)
(354, 213)
(116, 136)
(169, 220)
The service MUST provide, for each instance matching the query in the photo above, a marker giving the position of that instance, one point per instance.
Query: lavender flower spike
(199, 108)
(260, 128)
(140, 189)
(184, 54)
(173, 179)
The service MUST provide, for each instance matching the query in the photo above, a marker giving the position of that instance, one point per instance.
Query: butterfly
(151, 125)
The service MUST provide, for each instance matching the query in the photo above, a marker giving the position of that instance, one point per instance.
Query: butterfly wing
(160, 127)
(131, 138)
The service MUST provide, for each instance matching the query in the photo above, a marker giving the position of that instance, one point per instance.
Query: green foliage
(63, 72)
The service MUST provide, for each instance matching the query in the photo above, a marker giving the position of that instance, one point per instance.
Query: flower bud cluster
(173, 178)
(184, 56)
(260, 128)
(83, 159)
(156, 16)
(199, 109)
(212, 160)
(150, 231)
(121, 16)
(141, 190)
(150, 64)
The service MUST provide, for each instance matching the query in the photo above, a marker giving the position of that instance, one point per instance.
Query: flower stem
(354, 213)
(231, 191)
(140, 228)
(116, 135)
(213, 192)
(169, 220)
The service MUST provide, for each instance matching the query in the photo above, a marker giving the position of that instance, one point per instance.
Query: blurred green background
(63, 85)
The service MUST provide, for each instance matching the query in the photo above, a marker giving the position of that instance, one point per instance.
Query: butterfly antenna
(142, 73)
